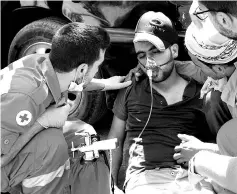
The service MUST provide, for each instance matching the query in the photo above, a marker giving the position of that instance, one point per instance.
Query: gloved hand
(54, 117)
(137, 72)
(115, 83)
(112, 83)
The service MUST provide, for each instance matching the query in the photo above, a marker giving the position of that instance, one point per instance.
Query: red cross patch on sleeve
(23, 118)
(19, 112)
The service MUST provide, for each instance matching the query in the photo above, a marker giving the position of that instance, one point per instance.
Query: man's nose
(150, 62)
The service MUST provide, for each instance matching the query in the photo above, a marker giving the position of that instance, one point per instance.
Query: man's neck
(65, 79)
(172, 88)
(171, 82)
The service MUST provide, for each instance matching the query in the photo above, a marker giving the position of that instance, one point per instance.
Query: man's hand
(187, 149)
(115, 83)
(54, 117)
(137, 72)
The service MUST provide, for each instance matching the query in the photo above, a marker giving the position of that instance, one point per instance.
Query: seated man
(176, 108)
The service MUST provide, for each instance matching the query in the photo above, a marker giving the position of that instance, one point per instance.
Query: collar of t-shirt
(189, 92)
(50, 77)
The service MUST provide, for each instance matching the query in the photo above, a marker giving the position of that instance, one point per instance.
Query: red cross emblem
(23, 117)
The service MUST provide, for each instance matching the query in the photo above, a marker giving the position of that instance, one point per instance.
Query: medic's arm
(18, 115)
(112, 83)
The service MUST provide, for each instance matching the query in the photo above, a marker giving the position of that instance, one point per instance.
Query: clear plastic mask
(150, 63)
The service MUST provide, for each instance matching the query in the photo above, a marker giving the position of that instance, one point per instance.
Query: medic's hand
(188, 148)
(137, 72)
(115, 83)
(54, 117)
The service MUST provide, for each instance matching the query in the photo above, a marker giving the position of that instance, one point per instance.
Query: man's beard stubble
(166, 74)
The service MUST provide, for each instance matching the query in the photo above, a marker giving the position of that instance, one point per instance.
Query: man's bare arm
(117, 130)
(221, 169)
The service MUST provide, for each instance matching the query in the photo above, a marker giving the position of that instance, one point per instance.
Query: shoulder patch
(23, 118)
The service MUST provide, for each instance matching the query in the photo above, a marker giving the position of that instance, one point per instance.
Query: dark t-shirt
(167, 121)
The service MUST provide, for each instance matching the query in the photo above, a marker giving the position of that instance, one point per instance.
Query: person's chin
(157, 80)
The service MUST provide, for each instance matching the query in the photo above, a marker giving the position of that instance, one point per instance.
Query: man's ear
(82, 69)
(175, 50)
(220, 69)
(224, 20)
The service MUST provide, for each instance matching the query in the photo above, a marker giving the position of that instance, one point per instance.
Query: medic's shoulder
(24, 76)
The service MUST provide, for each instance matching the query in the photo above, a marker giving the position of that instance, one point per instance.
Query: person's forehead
(143, 46)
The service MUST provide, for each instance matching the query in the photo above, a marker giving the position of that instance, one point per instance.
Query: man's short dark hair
(76, 43)
(228, 7)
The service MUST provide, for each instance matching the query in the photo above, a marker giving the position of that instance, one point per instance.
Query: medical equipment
(91, 149)
(150, 63)
(92, 145)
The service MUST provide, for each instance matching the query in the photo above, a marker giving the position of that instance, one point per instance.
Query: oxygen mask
(150, 64)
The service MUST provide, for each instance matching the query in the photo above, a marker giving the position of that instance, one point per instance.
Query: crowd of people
(177, 118)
